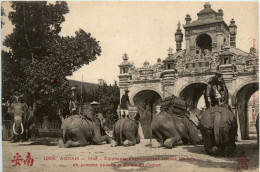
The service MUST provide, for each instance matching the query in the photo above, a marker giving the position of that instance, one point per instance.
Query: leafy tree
(2, 14)
(40, 59)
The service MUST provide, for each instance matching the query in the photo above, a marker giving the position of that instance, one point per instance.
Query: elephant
(22, 120)
(169, 128)
(218, 127)
(78, 130)
(125, 132)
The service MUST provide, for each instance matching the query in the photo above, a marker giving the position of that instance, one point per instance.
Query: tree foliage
(2, 14)
(40, 59)
(109, 98)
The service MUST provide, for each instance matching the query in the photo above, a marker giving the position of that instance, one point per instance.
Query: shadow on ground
(250, 150)
(41, 141)
(205, 162)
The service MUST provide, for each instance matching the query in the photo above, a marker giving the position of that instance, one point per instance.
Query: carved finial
(146, 64)
(125, 57)
(170, 50)
(207, 5)
(179, 25)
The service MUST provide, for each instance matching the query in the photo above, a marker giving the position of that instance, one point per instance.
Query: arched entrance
(242, 98)
(146, 101)
(193, 93)
(204, 41)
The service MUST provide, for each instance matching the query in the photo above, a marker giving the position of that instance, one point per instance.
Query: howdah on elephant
(169, 128)
(126, 132)
(22, 119)
(78, 130)
(218, 127)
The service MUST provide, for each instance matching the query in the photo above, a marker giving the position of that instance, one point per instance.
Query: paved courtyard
(48, 156)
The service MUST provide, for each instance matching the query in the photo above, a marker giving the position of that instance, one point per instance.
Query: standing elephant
(22, 120)
(169, 128)
(125, 132)
(78, 130)
(218, 128)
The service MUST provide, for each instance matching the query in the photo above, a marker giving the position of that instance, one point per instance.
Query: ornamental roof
(207, 16)
(125, 63)
(238, 51)
(172, 57)
(204, 22)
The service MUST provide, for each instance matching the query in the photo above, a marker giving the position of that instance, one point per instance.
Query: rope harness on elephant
(82, 120)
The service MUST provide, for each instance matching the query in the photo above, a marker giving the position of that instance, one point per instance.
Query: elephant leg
(70, 143)
(100, 139)
(228, 143)
(193, 134)
(24, 134)
(169, 142)
(208, 139)
(114, 143)
(129, 142)
(157, 135)
(159, 139)
(61, 144)
(137, 138)
(81, 141)
(130, 138)
(29, 134)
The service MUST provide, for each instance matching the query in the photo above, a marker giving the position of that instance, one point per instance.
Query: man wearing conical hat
(74, 104)
(216, 92)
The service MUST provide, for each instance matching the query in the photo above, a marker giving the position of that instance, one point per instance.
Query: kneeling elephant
(125, 133)
(169, 128)
(80, 130)
(219, 129)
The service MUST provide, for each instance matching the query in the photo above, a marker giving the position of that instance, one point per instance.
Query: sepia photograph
(111, 86)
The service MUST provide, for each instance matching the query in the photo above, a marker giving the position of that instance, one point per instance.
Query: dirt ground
(49, 157)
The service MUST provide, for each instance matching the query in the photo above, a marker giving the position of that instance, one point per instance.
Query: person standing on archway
(124, 104)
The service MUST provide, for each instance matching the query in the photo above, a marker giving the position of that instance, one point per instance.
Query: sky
(143, 30)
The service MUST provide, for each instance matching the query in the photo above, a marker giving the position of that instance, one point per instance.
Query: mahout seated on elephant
(169, 127)
(218, 123)
(22, 119)
(125, 130)
(79, 130)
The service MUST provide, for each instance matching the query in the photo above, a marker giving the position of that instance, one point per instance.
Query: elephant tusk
(14, 129)
(108, 134)
(22, 128)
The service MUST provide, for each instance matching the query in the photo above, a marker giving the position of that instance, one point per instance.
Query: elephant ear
(11, 109)
(88, 111)
(206, 119)
(194, 116)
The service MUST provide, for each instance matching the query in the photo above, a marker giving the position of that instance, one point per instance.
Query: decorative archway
(146, 101)
(192, 93)
(241, 99)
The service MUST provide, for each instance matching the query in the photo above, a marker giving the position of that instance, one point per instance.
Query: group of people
(75, 104)
(216, 93)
